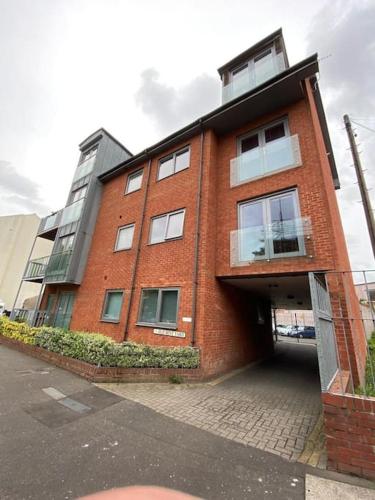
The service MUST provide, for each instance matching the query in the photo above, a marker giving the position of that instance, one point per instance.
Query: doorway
(64, 310)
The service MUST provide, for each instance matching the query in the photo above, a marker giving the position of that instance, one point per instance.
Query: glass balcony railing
(251, 78)
(50, 222)
(276, 155)
(84, 168)
(36, 268)
(290, 238)
(72, 212)
(57, 267)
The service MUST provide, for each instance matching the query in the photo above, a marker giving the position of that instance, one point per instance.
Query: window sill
(165, 241)
(122, 250)
(134, 191)
(158, 325)
(102, 320)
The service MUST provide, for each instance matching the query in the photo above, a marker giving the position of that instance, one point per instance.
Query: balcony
(57, 267)
(48, 225)
(84, 168)
(72, 212)
(253, 76)
(282, 239)
(36, 269)
(258, 162)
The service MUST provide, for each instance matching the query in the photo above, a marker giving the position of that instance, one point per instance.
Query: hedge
(100, 350)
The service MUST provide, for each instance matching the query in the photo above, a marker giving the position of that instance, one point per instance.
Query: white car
(284, 329)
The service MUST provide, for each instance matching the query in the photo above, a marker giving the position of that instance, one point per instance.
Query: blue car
(307, 333)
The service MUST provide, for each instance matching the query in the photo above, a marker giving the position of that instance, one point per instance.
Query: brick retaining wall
(350, 432)
(100, 373)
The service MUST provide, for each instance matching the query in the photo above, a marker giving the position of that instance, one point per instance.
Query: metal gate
(324, 328)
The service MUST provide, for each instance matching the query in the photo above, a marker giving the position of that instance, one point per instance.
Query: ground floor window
(112, 305)
(159, 307)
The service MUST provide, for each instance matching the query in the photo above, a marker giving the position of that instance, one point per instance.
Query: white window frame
(250, 63)
(167, 215)
(131, 176)
(173, 156)
(107, 293)
(72, 200)
(160, 291)
(119, 229)
(266, 203)
(261, 132)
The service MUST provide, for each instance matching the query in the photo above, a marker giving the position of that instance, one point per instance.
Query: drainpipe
(197, 239)
(138, 251)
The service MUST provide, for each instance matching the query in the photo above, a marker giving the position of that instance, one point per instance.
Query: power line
(364, 126)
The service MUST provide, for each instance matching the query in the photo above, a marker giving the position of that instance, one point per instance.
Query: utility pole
(362, 183)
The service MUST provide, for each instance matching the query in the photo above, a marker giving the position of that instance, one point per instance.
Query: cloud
(18, 193)
(171, 108)
(343, 35)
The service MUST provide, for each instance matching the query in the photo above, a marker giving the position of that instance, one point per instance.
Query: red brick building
(194, 239)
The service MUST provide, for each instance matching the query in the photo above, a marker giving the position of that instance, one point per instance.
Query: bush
(369, 388)
(100, 350)
(17, 330)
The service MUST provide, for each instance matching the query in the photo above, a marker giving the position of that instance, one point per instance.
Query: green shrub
(176, 379)
(17, 330)
(369, 388)
(100, 350)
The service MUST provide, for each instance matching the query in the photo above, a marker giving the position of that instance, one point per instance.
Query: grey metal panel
(324, 329)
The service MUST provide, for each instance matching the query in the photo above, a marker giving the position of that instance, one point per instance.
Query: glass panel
(158, 229)
(283, 225)
(113, 305)
(252, 237)
(275, 132)
(175, 225)
(84, 168)
(50, 221)
(149, 306)
(264, 67)
(166, 168)
(125, 238)
(240, 81)
(250, 162)
(77, 195)
(72, 212)
(249, 143)
(134, 182)
(279, 154)
(182, 160)
(65, 243)
(168, 312)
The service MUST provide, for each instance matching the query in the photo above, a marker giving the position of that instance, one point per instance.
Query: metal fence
(352, 297)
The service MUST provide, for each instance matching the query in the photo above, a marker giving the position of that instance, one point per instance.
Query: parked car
(308, 332)
(284, 330)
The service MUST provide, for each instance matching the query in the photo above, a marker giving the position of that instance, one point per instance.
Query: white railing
(253, 77)
(275, 155)
(283, 239)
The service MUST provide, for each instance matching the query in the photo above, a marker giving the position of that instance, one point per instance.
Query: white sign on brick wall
(169, 333)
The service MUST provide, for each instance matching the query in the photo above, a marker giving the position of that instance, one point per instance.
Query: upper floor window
(89, 154)
(159, 307)
(265, 151)
(124, 237)
(78, 194)
(270, 227)
(112, 305)
(167, 227)
(174, 163)
(65, 243)
(134, 181)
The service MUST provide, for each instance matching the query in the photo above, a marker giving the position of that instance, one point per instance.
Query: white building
(17, 236)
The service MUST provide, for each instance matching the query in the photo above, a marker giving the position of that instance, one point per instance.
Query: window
(124, 238)
(112, 305)
(159, 307)
(78, 194)
(167, 227)
(270, 228)
(89, 154)
(174, 163)
(257, 70)
(65, 243)
(134, 182)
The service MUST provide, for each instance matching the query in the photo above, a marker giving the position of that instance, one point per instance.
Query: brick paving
(272, 406)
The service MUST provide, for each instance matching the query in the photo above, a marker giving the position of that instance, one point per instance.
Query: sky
(142, 69)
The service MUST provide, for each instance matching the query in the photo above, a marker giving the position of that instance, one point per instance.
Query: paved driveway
(61, 437)
(272, 406)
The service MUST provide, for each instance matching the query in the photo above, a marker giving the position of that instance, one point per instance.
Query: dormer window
(253, 67)
(91, 153)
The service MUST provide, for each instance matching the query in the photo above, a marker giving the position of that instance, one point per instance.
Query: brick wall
(225, 328)
(349, 423)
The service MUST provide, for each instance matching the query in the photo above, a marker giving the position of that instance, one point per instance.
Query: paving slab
(272, 406)
(319, 488)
